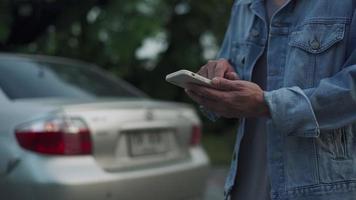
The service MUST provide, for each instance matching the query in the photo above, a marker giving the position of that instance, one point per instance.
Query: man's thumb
(222, 84)
(232, 76)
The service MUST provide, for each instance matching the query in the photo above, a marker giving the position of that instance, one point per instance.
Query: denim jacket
(311, 93)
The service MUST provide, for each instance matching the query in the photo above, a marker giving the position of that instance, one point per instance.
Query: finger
(203, 71)
(224, 69)
(220, 69)
(207, 93)
(227, 85)
(231, 76)
(213, 106)
(230, 68)
(211, 69)
(195, 97)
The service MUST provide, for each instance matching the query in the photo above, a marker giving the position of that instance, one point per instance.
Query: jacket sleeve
(224, 51)
(330, 105)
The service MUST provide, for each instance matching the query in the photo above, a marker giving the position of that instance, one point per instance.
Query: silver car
(69, 131)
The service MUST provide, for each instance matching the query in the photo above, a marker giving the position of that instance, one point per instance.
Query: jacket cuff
(292, 112)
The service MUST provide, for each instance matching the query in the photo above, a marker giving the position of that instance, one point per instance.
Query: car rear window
(20, 79)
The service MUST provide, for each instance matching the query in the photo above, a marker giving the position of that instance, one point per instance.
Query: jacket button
(315, 44)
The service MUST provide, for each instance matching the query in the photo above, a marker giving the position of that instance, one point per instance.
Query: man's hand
(230, 98)
(218, 68)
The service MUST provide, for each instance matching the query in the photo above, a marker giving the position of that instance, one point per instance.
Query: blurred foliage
(113, 34)
(5, 20)
(220, 146)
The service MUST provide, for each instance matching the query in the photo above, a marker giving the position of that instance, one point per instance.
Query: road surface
(215, 184)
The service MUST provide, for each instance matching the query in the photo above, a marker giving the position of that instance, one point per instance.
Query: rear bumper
(78, 178)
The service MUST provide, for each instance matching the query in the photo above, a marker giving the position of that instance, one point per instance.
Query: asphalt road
(215, 184)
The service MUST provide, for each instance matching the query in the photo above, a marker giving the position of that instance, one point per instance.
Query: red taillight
(56, 136)
(196, 135)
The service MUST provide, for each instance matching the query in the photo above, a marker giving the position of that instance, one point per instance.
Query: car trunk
(129, 135)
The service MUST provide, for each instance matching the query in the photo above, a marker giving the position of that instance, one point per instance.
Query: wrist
(264, 109)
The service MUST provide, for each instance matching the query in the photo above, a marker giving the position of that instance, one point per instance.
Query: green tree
(110, 33)
(113, 34)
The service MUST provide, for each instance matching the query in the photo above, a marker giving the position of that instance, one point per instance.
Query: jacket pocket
(334, 143)
(336, 153)
(316, 50)
(317, 38)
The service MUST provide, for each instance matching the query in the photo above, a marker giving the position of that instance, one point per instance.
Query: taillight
(195, 136)
(56, 136)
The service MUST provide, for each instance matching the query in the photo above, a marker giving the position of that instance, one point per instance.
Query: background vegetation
(138, 40)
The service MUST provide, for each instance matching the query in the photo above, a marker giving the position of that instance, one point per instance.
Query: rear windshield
(31, 79)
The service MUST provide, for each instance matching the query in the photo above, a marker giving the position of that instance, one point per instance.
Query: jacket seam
(301, 191)
(317, 158)
(327, 21)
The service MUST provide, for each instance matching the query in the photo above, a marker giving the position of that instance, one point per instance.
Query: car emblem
(149, 115)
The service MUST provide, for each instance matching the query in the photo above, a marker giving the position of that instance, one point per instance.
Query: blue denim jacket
(311, 93)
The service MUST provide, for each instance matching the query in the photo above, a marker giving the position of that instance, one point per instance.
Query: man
(287, 70)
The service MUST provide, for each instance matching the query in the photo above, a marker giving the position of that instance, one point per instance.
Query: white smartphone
(183, 77)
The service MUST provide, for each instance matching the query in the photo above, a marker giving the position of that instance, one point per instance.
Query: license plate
(148, 142)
